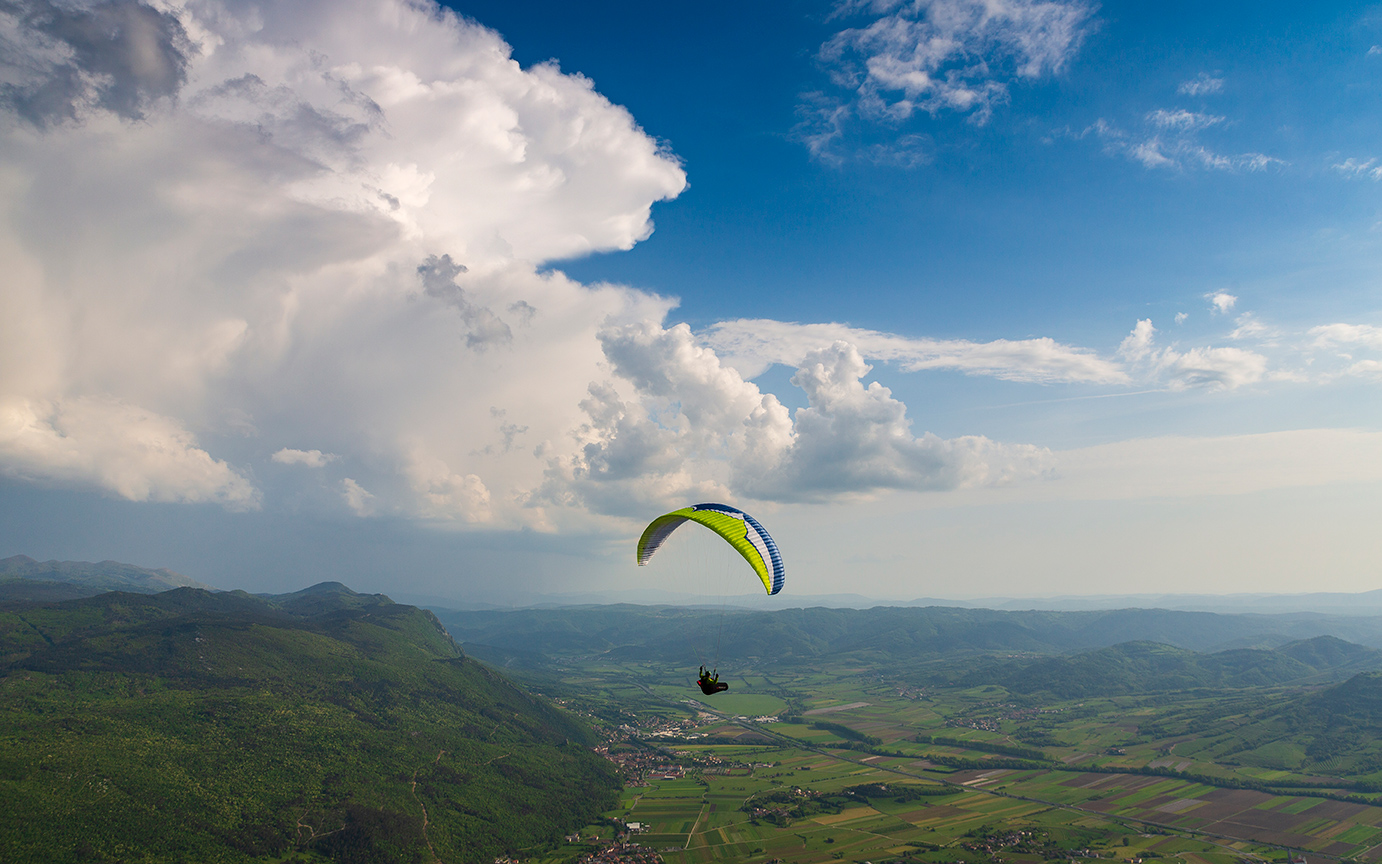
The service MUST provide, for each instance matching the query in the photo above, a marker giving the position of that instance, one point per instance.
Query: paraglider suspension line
(720, 632)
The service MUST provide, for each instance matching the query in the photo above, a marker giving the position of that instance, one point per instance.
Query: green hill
(1144, 667)
(192, 726)
(1357, 701)
(1327, 652)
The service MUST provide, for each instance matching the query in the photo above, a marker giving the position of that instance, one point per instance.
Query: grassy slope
(193, 726)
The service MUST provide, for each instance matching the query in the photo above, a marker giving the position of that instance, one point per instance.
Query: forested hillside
(191, 726)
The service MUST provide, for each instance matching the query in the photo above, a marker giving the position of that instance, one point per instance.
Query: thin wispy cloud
(1249, 327)
(1368, 169)
(1181, 120)
(752, 345)
(1171, 138)
(1267, 352)
(931, 57)
(1202, 84)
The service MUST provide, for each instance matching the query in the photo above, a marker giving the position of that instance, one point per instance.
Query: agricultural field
(859, 767)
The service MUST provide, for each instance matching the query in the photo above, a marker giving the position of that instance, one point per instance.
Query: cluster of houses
(621, 853)
(639, 765)
(1006, 711)
(988, 724)
(994, 842)
(681, 729)
(618, 852)
(779, 808)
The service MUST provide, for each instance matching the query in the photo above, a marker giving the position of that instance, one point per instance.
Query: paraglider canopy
(738, 528)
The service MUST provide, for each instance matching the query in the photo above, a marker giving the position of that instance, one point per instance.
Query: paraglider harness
(710, 683)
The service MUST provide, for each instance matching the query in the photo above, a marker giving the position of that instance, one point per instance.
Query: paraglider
(710, 682)
(738, 528)
(742, 532)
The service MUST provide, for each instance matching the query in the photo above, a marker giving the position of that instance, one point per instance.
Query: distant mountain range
(1327, 603)
(904, 636)
(23, 578)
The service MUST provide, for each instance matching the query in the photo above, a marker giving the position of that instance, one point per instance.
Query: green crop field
(748, 704)
(863, 767)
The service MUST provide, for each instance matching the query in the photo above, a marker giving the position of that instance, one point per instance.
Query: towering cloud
(240, 229)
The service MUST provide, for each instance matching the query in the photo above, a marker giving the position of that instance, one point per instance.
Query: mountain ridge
(19, 574)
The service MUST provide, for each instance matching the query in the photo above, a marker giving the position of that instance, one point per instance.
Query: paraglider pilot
(710, 682)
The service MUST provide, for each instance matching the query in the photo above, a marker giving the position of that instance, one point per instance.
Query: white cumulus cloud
(1214, 368)
(678, 423)
(1345, 342)
(310, 458)
(357, 498)
(119, 448)
(1333, 335)
(855, 439)
(1221, 302)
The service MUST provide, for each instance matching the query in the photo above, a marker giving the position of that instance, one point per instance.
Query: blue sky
(1029, 225)
(960, 298)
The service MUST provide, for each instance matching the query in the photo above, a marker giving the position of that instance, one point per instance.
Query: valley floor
(868, 769)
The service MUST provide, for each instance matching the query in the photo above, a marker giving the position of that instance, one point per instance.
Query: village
(640, 761)
(1003, 711)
